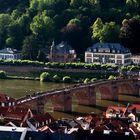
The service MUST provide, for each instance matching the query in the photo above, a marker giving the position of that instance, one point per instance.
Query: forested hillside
(31, 25)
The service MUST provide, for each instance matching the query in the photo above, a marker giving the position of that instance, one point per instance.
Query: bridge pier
(62, 102)
(87, 96)
(109, 92)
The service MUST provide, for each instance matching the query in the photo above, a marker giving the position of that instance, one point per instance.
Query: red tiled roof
(116, 108)
(43, 117)
(15, 113)
(4, 98)
(134, 106)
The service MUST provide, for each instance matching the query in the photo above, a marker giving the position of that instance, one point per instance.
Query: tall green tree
(30, 48)
(5, 20)
(42, 26)
(96, 29)
(130, 34)
(110, 32)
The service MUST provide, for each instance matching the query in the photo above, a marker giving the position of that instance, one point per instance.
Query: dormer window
(94, 50)
(118, 51)
(113, 51)
(89, 49)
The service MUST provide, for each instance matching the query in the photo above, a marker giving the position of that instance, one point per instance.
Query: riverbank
(34, 72)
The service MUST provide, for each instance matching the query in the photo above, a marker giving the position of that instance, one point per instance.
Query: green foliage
(87, 80)
(111, 77)
(79, 22)
(30, 48)
(42, 25)
(56, 78)
(96, 29)
(45, 77)
(93, 79)
(3, 74)
(67, 79)
(75, 21)
(108, 32)
(21, 63)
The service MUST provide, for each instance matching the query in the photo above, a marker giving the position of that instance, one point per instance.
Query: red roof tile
(134, 106)
(4, 98)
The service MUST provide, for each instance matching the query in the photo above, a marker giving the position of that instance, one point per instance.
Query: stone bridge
(85, 93)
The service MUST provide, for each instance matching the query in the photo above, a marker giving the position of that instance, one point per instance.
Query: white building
(10, 54)
(136, 59)
(108, 53)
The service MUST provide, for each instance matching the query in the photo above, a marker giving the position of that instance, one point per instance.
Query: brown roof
(4, 98)
(43, 117)
(14, 114)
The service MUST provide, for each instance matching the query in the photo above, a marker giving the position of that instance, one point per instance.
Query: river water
(18, 88)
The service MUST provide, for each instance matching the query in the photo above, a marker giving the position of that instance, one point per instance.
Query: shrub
(66, 79)
(111, 77)
(93, 79)
(87, 80)
(45, 77)
(56, 78)
(2, 75)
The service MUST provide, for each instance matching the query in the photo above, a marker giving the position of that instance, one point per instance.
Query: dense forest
(32, 25)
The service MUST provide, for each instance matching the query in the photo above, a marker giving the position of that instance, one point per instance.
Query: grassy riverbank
(55, 75)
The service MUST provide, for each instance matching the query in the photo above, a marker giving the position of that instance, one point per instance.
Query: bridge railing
(56, 91)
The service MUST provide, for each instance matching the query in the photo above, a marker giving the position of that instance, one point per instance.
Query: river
(18, 88)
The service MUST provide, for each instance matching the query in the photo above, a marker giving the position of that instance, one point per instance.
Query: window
(119, 61)
(88, 55)
(113, 51)
(94, 50)
(119, 56)
(89, 60)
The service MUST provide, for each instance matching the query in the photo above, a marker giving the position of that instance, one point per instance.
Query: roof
(41, 118)
(9, 51)
(116, 109)
(6, 99)
(109, 48)
(14, 114)
(134, 106)
(62, 48)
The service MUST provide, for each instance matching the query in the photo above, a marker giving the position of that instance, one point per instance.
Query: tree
(3, 74)
(5, 20)
(109, 33)
(30, 48)
(10, 41)
(76, 3)
(67, 79)
(130, 34)
(41, 56)
(42, 26)
(56, 78)
(74, 21)
(45, 77)
(14, 32)
(73, 34)
(96, 29)
(24, 22)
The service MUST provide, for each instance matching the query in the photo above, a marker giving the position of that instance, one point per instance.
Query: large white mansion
(10, 54)
(108, 53)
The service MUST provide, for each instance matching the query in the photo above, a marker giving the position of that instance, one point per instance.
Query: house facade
(136, 59)
(62, 53)
(10, 54)
(108, 53)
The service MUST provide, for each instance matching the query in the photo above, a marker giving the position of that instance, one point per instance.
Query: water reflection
(18, 88)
